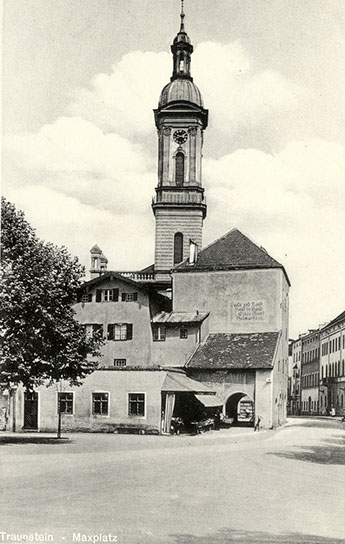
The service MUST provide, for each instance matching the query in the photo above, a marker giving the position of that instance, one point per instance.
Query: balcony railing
(179, 198)
(138, 276)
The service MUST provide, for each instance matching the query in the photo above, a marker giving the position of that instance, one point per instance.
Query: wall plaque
(252, 310)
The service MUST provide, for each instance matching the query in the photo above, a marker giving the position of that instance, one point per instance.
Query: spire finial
(182, 17)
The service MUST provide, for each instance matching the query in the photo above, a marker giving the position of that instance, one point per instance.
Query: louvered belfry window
(179, 168)
(178, 248)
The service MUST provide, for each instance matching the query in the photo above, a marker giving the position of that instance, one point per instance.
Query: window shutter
(129, 331)
(111, 332)
(90, 297)
(98, 295)
(115, 295)
(135, 296)
(79, 296)
(123, 297)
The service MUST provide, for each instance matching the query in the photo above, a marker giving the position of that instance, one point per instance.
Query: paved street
(284, 486)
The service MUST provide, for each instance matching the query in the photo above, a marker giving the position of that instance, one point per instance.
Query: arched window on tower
(178, 248)
(179, 168)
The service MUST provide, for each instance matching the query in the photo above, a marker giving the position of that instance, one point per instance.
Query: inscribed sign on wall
(254, 310)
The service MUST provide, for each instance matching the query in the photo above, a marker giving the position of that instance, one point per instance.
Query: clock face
(180, 136)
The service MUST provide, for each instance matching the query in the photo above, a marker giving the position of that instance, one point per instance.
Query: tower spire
(182, 15)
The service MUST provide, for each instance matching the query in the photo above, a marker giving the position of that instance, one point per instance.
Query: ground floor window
(65, 403)
(100, 404)
(136, 404)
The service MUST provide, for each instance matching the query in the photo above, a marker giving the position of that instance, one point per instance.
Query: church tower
(179, 206)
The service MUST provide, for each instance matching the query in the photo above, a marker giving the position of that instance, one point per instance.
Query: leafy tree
(41, 340)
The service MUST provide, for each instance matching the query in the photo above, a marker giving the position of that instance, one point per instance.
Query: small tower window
(181, 65)
(178, 248)
(179, 163)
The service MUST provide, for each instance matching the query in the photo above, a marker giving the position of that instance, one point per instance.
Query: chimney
(193, 252)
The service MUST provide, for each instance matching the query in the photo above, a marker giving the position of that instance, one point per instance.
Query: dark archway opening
(240, 408)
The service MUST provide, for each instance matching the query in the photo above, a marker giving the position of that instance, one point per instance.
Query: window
(179, 168)
(120, 331)
(178, 248)
(183, 332)
(120, 362)
(136, 404)
(86, 297)
(129, 297)
(100, 404)
(93, 330)
(65, 403)
(107, 295)
(158, 333)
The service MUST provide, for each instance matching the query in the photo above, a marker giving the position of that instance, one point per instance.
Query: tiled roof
(233, 251)
(179, 317)
(236, 351)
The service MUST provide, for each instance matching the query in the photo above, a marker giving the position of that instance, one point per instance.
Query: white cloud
(293, 205)
(74, 157)
(235, 92)
(123, 100)
(125, 239)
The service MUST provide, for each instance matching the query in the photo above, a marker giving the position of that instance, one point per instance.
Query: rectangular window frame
(120, 332)
(120, 363)
(130, 403)
(65, 413)
(183, 333)
(100, 415)
(159, 333)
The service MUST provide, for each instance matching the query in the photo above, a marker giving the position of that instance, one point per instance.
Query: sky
(80, 81)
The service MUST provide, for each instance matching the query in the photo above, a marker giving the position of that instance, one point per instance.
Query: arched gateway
(239, 406)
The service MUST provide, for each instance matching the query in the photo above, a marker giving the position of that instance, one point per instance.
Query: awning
(176, 382)
(209, 401)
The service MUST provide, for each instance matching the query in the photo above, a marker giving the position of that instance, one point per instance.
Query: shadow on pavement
(22, 439)
(318, 423)
(323, 455)
(226, 536)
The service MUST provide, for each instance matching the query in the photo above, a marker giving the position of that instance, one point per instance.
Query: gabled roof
(233, 251)
(108, 276)
(179, 317)
(236, 351)
(340, 317)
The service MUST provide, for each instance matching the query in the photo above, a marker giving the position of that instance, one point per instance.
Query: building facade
(310, 373)
(332, 371)
(199, 329)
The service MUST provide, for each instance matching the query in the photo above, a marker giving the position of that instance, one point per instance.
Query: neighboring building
(295, 377)
(310, 372)
(332, 375)
(246, 351)
(198, 329)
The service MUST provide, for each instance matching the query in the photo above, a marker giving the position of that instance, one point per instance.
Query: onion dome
(180, 89)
